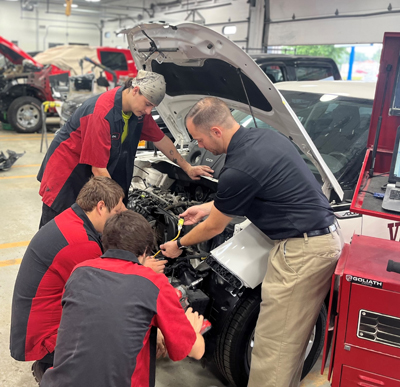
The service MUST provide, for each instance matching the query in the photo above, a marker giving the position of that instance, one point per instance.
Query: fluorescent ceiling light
(72, 5)
(229, 30)
(92, 1)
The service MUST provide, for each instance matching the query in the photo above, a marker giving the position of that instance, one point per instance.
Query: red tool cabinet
(366, 309)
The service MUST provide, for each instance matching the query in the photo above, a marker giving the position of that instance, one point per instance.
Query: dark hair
(99, 188)
(210, 111)
(128, 231)
(128, 84)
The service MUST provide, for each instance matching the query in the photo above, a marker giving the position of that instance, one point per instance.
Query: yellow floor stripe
(21, 135)
(26, 165)
(14, 244)
(10, 262)
(26, 139)
(16, 177)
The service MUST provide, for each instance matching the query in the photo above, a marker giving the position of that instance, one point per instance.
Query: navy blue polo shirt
(266, 180)
(111, 309)
(92, 138)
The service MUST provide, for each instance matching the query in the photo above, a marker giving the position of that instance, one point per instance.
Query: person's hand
(194, 215)
(155, 264)
(195, 320)
(161, 348)
(194, 172)
(170, 249)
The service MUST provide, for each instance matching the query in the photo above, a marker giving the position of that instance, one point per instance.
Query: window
(274, 73)
(114, 60)
(313, 73)
(338, 127)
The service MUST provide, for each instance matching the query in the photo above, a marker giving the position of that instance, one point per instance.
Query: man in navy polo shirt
(101, 139)
(265, 179)
(112, 307)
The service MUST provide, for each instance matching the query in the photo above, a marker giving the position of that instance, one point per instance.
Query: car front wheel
(25, 115)
(234, 345)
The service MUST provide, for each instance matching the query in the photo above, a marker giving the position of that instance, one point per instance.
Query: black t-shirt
(266, 180)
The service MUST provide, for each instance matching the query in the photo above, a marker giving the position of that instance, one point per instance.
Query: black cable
(141, 169)
(144, 181)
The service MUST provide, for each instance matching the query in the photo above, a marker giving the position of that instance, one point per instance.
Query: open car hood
(198, 62)
(14, 54)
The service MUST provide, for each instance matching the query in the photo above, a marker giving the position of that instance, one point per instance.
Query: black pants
(48, 359)
(47, 214)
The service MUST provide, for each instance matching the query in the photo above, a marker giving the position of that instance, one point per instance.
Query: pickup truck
(26, 81)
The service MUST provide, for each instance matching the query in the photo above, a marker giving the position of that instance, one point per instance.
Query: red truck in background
(26, 82)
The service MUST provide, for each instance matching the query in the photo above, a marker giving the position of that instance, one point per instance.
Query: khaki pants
(294, 288)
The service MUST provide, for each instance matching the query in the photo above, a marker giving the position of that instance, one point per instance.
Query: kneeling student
(70, 238)
(112, 307)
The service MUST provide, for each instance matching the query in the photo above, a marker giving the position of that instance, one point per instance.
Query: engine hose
(180, 224)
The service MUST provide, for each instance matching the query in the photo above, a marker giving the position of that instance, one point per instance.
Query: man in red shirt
(70, 238)
(112, 307)
(101, 139)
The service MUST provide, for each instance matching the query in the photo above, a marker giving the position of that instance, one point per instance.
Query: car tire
(232, 354)
(25, 115)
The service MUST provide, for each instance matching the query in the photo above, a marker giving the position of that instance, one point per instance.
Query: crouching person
(112, 307)
(71, 238)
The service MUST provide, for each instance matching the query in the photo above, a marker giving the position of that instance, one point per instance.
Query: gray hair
(208, 112)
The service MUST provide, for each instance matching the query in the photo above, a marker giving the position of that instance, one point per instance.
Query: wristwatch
(179, 244)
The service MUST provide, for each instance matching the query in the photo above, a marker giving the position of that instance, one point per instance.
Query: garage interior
(259, 28)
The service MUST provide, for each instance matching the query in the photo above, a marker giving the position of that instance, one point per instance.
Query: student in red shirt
(112, 307)
(101, 139)
(70, 238)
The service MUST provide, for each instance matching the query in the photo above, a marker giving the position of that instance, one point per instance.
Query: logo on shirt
(115, 136)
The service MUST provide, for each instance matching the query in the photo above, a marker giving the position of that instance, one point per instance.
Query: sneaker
(38, 369)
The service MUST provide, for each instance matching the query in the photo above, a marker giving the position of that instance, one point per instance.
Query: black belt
(322, 231)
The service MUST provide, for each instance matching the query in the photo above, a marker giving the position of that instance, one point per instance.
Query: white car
(222, 278)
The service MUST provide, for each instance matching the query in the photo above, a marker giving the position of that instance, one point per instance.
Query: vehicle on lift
(282, 68)
(24, 85)
(220, 278)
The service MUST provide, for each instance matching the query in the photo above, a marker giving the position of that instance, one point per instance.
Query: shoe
(38, 369)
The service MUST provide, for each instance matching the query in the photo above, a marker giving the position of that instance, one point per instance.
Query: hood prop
(247, 97)
(154, 48)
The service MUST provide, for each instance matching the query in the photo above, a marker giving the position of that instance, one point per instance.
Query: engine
(161, 208)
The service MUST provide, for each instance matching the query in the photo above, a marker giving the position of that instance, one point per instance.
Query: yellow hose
(180, 224)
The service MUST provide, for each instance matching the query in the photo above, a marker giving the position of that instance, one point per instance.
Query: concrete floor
(20, 208)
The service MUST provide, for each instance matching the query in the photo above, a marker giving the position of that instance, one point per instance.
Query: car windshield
(337, 125)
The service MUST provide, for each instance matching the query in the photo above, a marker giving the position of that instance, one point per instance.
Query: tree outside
(338, 54)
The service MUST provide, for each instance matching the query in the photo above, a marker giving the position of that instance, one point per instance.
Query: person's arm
(100, 172)
(196, 321)
(212, 226)
(180, 335)
(195, 214)
(166, 146)
(154, 264)
(96, 144)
